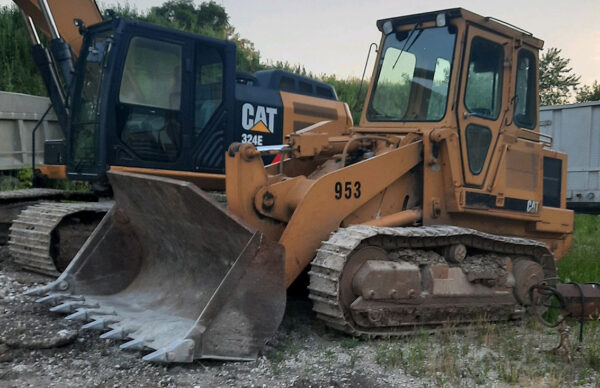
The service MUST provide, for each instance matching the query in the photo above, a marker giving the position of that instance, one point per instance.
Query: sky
(333, 36)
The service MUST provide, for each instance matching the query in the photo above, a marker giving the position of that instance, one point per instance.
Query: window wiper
(414, 40)
(410, 34)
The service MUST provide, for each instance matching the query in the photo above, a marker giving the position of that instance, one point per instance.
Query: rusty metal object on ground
(578, 301)
(553, 305)
(173, 271)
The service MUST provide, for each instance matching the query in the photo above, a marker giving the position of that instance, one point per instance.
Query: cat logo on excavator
(259, 118)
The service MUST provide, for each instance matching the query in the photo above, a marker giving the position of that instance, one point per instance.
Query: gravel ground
(39, 348)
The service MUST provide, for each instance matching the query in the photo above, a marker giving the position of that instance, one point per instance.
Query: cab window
(483, 95)
(525, 91)
(148, 113)
(414, 76)
(478, 142)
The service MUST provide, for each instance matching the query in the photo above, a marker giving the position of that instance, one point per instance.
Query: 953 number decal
(347, 190)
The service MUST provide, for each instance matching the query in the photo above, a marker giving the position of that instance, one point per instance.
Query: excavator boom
(62, 23)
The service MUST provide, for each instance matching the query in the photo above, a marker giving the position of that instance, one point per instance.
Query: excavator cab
(150, 97)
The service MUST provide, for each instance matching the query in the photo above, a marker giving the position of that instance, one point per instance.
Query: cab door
(482, 102)
(212, 104)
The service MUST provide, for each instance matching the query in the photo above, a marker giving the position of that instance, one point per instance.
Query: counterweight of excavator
(347, 190)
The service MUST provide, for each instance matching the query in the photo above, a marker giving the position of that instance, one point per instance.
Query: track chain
(31, 233)
(328, 265)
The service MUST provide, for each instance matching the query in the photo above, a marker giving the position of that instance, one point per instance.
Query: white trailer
(19, 114)
(575, 129)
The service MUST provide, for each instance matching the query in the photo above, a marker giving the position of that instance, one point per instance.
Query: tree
(556, 78)
(19, 73)
(589, 93)
(208, 19)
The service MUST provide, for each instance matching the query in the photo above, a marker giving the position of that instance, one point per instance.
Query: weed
(581, 264)
(415, 361)
(593, 356)
(353, 359)
(275, 356)
(350, 343)
(509, 372)
(330, 357)
(388, 354)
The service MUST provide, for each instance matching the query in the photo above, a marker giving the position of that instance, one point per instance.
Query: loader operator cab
(478, 76)
(153, 98)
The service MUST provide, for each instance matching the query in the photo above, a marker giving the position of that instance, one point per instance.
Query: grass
(582, 263)
(488, 354)
(22, 179)
(14, 180)
(511, 354)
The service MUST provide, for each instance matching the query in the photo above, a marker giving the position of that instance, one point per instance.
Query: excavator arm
(62, 12)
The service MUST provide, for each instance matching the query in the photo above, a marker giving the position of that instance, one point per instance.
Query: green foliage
(581, 264)
(25, 177)
(348, 91)
(556, 78)
(16, 179)
(207, 18)
(350, 343)
(588, 93)
(593, 356)
(19, 73)
(389, 354)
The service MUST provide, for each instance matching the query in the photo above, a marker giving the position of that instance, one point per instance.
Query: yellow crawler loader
(445, 204)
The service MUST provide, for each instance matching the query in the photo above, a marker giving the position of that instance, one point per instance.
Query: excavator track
(46, 236)
(327, 278)
(12, 202)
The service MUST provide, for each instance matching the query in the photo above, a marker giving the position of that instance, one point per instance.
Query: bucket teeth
(80, 315)
(177, 351)
(52, 299)
(135, 344)
(37, 291)
(117, 334)
(55, 299)
(97, 324)
(67, 307)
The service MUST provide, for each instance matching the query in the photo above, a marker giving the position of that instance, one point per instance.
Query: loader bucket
(173, 271)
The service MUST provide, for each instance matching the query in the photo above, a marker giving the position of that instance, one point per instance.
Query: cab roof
(456, 13)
